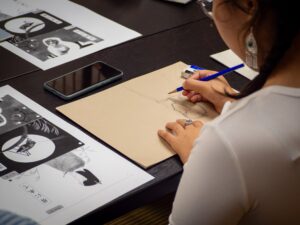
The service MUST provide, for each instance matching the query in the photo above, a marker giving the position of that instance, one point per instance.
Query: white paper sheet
(229, 59)
(50, 33)
(52, 172)
(14, 8)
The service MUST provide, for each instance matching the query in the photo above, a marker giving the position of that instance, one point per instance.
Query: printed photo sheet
(52, 172)
(50, 33)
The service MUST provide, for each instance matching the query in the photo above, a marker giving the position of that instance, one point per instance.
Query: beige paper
(128, 115)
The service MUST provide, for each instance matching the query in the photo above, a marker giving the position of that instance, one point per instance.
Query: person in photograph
(57, 47)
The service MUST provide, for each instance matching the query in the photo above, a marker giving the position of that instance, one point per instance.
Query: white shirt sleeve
(226, 107)
(212, 189)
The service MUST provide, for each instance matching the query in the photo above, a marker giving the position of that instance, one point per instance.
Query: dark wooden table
(171, 32)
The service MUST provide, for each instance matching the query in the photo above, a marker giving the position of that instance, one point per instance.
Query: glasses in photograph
(206, 6)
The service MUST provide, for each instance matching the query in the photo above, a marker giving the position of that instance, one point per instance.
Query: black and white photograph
(31, 24)
(14, 114)
(33, 144)
(80, 31)
(58, 43)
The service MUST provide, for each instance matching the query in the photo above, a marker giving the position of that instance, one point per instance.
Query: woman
(58, 47)
(244, 166)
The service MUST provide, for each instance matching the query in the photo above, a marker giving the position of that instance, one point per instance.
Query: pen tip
(171, 92)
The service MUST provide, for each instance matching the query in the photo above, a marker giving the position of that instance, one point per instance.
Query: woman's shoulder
(267, 103)
(260, 123)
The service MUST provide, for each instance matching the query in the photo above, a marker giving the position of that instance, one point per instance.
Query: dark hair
(286, 28)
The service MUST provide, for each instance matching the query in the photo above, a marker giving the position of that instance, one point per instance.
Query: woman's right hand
(212, 91)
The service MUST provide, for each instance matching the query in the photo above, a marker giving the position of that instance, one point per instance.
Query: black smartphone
(83, 80)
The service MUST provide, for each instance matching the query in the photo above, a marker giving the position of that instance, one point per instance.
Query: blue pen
(213, 76)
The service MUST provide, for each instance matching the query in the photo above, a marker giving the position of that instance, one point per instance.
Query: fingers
(193, 96)
(202, 73)
(167, 136)
(198, 75)
(196, 123)
(174, 127)
(182, 142)
(196, 98)
(170, 137)
(181, 122)
(195, 86)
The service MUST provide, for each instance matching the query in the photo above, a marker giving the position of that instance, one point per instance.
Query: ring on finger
(188, 122)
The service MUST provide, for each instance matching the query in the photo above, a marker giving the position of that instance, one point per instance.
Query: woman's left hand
(181, 137)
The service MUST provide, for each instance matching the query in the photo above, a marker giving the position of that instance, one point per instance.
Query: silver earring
(251, 51)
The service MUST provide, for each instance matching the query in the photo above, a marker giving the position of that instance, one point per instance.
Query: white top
(245, 166)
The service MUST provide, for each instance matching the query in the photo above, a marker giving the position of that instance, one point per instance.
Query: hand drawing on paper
(181, 105)
(187, 109)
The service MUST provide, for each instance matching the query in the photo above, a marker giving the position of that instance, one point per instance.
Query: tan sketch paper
(128, 115)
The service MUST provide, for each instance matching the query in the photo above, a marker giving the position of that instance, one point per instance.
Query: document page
(50, 33)
(51, 171)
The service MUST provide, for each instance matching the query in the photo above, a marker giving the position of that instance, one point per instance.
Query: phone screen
(83, 78)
